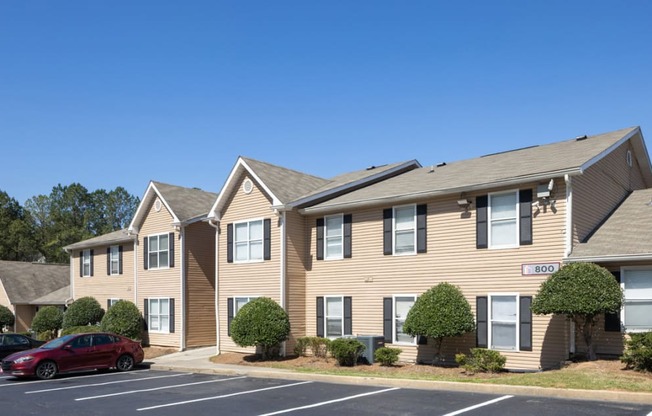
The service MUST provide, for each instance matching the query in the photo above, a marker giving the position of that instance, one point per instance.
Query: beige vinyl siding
(160, 283)
(24, 316)
(246, 279)
(452, 257)
(102, 286)
(601, 188)
(200, 286)
(4, 301)
(296, 276)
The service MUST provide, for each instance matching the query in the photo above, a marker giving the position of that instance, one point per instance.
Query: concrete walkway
(197, 361)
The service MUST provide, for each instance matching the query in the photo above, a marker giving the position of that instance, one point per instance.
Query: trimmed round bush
(638, 352)
(47, 322)
(123, 318)
(261, 323)
(347, 351)
(482, 360)
(83, 311)
(83, 329)
(7, 317)
(387, 356)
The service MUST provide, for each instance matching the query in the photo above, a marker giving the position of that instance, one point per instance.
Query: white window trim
(113, 301)
(86, 261)
(149, 250)
(235, 302)
(414, 230)
(262, 241)
(517, 339)
(341, 256)
(326, 316)
(149, 312)
(623, 271)
(395, 334)
(117, 260)
(517, 221)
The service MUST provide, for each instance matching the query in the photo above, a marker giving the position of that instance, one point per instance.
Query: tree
(17, 239)
(582, 292)
(441, 312)
(262, 323)
(7, 317)
(83, 311)
(48, 321)
(123, 318)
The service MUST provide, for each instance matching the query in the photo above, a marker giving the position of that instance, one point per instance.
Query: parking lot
(144, 391)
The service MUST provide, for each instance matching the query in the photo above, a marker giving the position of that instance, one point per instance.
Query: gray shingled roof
(25, 283)
(186, 203)
(114, 237)
(626, 233)
(532, 163)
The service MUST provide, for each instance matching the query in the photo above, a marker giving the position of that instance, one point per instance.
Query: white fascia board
(610, 149)
(151, 192)
(141, 208)
(611, 258)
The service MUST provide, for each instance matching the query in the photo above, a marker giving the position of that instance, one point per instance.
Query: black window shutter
(320, 316)
(229, 315)
(108, 261)
(81, 263)
(422, 212)
(348, 220)
(92, 252)
(108, 304)
(320, 239)
(146, 313)
(482, 330)
(171, 320)
(348, 324)
(267, 239)
(229, 243)
(145, 252)
(525, 208)
(422, 340)
(119, 259)
(525, 324)
(481, 221)
(171, 243)
(388, 316)
(387, 231)
(612, 320)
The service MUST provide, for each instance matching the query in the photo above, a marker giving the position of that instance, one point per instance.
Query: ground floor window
(402, 305)
(334, 316)
(159, 314)
(637, 309)
(240, 302)
(503, 312)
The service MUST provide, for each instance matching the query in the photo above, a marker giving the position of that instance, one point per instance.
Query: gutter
(613, 258)
(215, 224)
(283, 269)
(182, 234)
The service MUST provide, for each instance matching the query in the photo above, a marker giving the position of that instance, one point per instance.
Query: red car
(77, 352)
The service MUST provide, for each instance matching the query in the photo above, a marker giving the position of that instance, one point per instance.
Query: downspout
(216, 225)
(569, 247)
(283, 270)
(182, 248)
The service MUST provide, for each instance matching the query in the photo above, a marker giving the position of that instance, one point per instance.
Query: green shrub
(387, 356)
(301, 346)
(482, 360)
(319, 346)
(261, 323)
(346, 351)
(83, 311)
(7, 317)
(47, 322)
(82, 329)
(123, 318)
(638, 352)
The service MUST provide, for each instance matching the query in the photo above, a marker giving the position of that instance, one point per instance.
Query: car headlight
(23, 359)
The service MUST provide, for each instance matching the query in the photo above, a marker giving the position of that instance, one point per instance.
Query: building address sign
(539, 268)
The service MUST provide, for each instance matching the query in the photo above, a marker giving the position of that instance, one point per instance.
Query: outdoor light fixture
(464, 204)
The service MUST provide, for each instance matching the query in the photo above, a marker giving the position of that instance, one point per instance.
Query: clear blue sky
(118, 93)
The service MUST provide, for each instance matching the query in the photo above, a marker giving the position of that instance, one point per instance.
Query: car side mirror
(67, 347)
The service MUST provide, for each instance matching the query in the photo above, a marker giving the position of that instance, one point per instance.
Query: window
(158, 314)
(637, 309)
(248, 238)
(503, 312)
(240, 302)
(158, 251)
(402, 305)
(334, 236)
(334, 316)
(111, 301)
(114, 260)
(404, 230)
(503, 223)
(87, 269)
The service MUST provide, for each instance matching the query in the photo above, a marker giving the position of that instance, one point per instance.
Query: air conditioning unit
(371, 343)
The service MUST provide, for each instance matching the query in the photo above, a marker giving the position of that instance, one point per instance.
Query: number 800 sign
(539, 268)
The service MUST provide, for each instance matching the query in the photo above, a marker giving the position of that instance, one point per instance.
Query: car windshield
(56, 343)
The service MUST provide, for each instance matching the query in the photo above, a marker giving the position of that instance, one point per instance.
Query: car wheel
(46, 370)
(125, 362)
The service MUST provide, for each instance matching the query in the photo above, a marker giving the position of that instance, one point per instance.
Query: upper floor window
(637, 309)
(248, 240)
(86, 266)
(504, 219)
(404, 230)
(159, 251)
(114, 260)
(334, 236)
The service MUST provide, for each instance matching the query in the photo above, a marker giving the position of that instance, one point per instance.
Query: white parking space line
(310, 406)
(81, 386)
(223, 396)
(22, 383)
(468, 409)
(158, 388)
